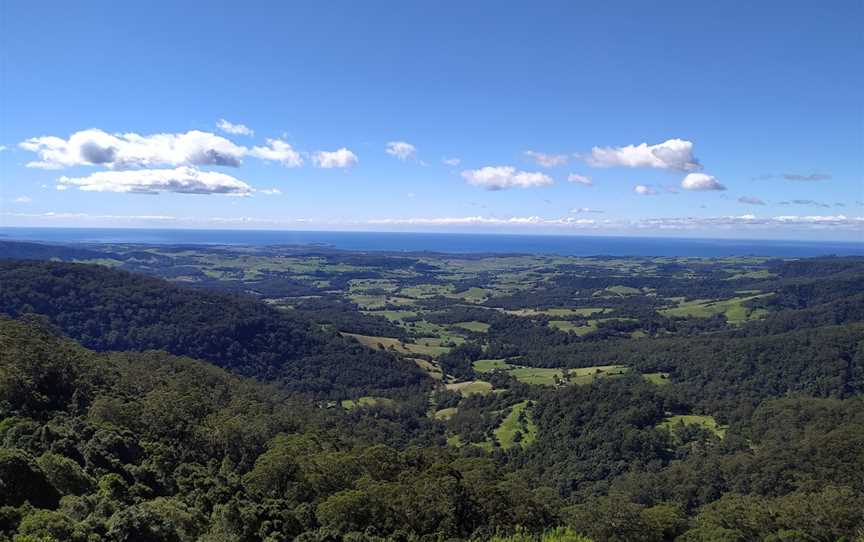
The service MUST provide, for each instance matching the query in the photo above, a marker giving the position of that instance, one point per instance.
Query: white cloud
(76, 216)
(120, 151)
(2, 148)
(749, 221)
(278, 151)
(341, 158)
(701, 182)
(547, 160)
(579, 210)
(749, 200)
(401, 150)
(270, 191)
(805, 203)
(740, 223)
(236, 129)
(644, 190)
(580, 179)
(183, 180)
(675, 154)
(485, 221)
(451, 161)
(501, 177)
(808, 177)
(22, 199)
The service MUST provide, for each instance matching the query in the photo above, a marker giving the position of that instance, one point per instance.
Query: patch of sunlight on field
(474, 325)
(518, 421)
(428, 346)
(489, 365)
(660, 379)
(559, 312)
(471, 387)
(446, 413)
(432, 369)
(542, 376)
(707, 422)
(366, 401)
(734, 310)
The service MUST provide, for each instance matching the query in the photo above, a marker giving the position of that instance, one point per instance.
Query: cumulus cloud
(121, 151)
(701, 182)
(580, 179)
(502, 177)
(674, 154)
(235, 129)
(644, 190)
(341, 158)
(547, 160)
(278, 151)
(451, 161)
(182, 180)
(749, 200)
(401, 150)
(22, 199)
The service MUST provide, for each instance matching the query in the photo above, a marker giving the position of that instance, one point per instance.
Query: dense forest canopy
(290, 393)
(116, 310)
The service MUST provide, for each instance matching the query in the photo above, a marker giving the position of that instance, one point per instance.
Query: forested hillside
(116, 310)
(628, 411)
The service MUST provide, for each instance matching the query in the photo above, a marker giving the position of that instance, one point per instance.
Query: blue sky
(718, 119)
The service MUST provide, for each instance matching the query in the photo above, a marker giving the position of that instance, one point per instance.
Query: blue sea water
(446, 242)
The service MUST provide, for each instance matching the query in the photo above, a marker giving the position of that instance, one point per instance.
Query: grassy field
(707, 422)
(430, 346)
(660, 379)
(560, 313)
(619, 291)
(393, 316)
(579, 328)
(474, 325)
(470, 388)
(474, 295)
(432, 369)
(378, 342)
(759, 274)
(446, 413)
(489, 365)
(366, 401)
(541, 376)
(734, 309)
(505, 433)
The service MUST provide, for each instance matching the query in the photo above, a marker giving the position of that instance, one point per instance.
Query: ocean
(566, 245)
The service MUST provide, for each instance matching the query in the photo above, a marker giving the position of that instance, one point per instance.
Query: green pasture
(542, 376)
(366, 401)
(474, 325)
(734, 309)
(471, 387)
(707, 422)
(505, 433)
(660, 379)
